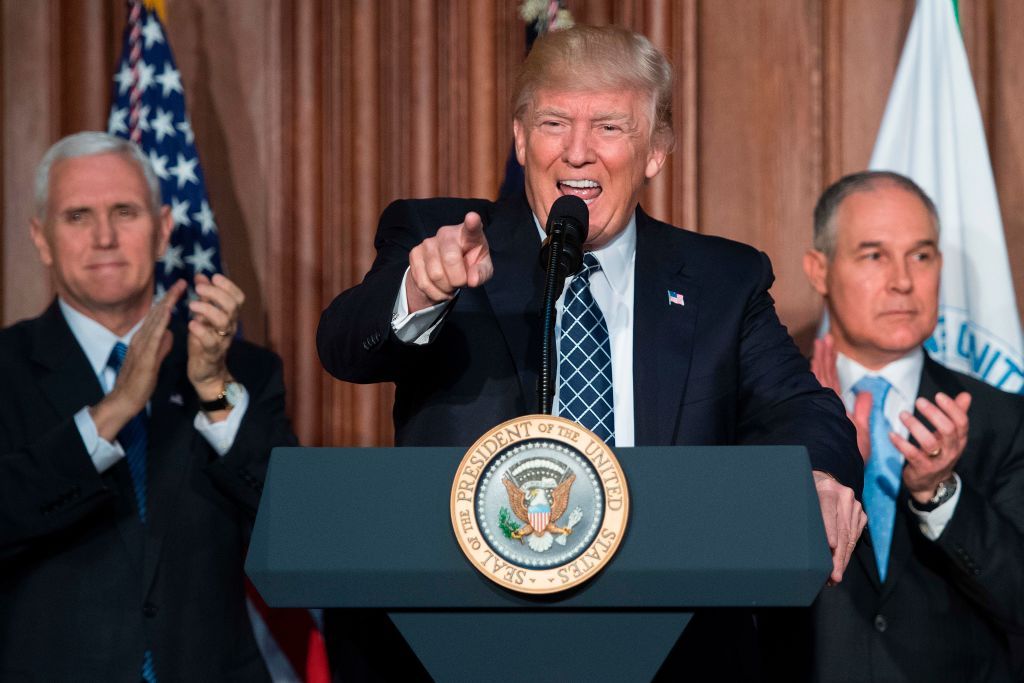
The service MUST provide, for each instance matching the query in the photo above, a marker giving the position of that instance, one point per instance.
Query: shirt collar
(96, 340)
(616, 257)
(903, 374)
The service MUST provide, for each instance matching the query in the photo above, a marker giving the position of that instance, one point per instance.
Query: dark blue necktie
(882, 474)
(133, 438)
(134, 441)
(585, 359)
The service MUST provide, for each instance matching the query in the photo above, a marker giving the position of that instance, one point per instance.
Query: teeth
(580, 184)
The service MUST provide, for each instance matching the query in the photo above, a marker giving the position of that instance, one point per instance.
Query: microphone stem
(552, 288)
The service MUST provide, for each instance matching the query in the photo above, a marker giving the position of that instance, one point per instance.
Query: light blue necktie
(585, 359)
(134, 439)
(882, 474)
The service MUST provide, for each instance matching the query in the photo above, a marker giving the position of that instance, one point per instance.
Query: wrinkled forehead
(884, 213)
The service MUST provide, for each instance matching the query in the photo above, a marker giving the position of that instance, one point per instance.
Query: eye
(76, 216)
(127, 212)
(872, 255)
(611, 128)
(922, 256)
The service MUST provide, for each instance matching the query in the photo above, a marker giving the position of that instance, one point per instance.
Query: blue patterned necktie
(882, 474)
(133, 438)
(585, 359)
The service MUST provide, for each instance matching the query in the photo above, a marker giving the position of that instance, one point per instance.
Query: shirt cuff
(221, 435)
(934, 522)
(420, 327)
(103, 454)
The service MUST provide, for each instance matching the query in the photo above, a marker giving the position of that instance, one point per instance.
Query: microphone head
(570, 208)
(569, 222)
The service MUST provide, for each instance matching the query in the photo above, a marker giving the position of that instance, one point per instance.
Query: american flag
(675, 298)
(149, 109)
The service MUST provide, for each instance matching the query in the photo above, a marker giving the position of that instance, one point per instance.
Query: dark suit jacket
(948, 606)
(85, 588)
(720, 369)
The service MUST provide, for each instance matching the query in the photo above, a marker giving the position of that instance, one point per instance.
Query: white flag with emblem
(932, 132)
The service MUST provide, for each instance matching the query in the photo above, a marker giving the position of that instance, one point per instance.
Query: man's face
(882, 284)
(100, 237)
(593, 144)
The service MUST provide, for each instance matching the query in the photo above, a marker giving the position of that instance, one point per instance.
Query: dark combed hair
(864, 181)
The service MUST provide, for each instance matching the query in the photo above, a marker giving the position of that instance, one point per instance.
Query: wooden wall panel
(311, 115)
(760, 134)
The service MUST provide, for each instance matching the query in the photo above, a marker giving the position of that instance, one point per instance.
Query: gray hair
(598, 58)
(864, 181)
(87, 144)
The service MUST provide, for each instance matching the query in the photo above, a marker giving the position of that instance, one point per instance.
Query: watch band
(943, 492)
(223, 400)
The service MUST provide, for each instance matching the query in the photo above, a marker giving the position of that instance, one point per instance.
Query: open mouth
(587, 190)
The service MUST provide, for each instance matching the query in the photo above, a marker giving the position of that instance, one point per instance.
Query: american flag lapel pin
(177, 400)
(675, 298)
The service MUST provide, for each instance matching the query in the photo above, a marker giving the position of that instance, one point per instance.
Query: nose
(578, 150)
(104, 233)
(899, 277)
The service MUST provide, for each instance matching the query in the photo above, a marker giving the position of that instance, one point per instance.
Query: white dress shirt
(97, 342)
(612, 288)
(905, 377)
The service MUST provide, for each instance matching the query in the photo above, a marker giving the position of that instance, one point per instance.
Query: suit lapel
(170, 448)
(68, 381)
(516, 289)
(663, 333)
(66, 377)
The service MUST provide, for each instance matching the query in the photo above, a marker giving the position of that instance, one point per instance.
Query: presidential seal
(539, 504)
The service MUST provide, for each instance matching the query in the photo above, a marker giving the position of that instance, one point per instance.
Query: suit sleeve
(984, 540)
(47, 484)
(240, 472)
(781, 402)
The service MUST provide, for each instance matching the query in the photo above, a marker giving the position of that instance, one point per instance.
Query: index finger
(472, 232)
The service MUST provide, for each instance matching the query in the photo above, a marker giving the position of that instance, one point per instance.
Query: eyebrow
(875, 244)
(600, 116)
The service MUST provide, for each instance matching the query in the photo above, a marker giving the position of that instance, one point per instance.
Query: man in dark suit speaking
(132, 447)
(664, 336)
(936, 587)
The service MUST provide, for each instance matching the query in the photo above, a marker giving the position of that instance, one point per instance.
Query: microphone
(561, 255)
(568, 224)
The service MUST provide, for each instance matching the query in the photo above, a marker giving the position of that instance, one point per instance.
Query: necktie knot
(590, 266)
(878, 387)
(117, 355)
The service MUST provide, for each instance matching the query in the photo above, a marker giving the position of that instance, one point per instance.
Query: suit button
(880, 623)
(150, 610)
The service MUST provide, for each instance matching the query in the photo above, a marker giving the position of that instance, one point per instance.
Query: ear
(816, 269)
(519, 135)
(655, 160)
(164, 228)
(38, 232)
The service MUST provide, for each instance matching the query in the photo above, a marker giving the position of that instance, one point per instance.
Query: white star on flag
(151, 33)
(123, 78)
(201, 259)
(171, 259)
(159, 164)
(185, 170)
(163, 125)
(179, 211)
(145, 75)
(118, 121)
(144, 118)
(186, 128)
(205, 218)
(169, 80)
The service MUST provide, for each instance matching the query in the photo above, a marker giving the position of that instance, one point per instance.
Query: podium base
(541, 646)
